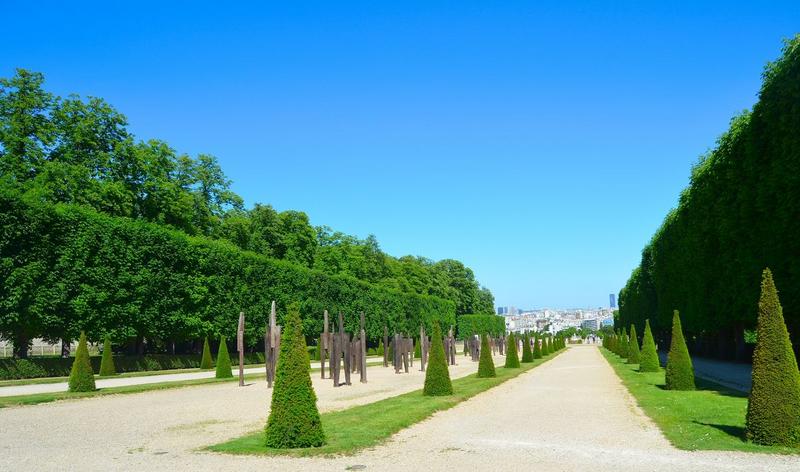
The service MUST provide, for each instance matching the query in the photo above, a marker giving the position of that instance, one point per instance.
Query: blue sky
(541, 143)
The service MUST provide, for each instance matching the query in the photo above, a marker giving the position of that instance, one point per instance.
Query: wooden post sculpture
(345, 344)
(324, 344)
(363, 356)
(451, 352)
(408, 349)
(240, 347)
(385, 346)
(272, 346)
(396, 353)
(336, 356)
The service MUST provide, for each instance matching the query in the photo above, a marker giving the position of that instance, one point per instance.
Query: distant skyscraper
(612, 300)
(502, 310)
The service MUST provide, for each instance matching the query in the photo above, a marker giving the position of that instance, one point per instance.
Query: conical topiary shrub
(418, 350)
(512, 360)
(537, 350)
(527, 355)
(437, 377)
(623, 345)
(380, 348)
(293, 418)
(205, 362)
(773, 409)
(81, 376)
(224, 360)
(486, 363)
(679, 372)
(633, 347)
(107, 367)
(648, 359)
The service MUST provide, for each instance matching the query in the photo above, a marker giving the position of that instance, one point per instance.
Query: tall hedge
(679, 371)
(512, 360)
(223, 360)
(648, 361)
(66, 268)
(738, 215)
(486, 363)
(773, 409)
(206, 363)
(469, 325)
(527, 354)
(634, 354)
(294, 420)
(437, 376)
(81, 378)
(107, 367)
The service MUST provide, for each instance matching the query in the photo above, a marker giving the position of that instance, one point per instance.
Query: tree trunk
(21, 345)
(65, 347)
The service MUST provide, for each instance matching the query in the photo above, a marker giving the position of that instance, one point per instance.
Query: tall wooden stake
(240, 346)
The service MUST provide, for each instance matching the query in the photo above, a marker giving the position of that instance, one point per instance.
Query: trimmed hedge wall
(68, 268)
(469, 325)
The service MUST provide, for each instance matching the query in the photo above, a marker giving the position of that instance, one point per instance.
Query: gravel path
(572, 413)
(13, 390)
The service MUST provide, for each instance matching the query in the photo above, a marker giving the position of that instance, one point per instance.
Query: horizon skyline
(540, 145)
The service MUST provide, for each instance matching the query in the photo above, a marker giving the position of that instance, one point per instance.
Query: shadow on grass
(731, 430)
(709, 386)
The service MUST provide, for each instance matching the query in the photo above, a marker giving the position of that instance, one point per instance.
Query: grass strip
(709, 418)
(348, 431)
(37, 398)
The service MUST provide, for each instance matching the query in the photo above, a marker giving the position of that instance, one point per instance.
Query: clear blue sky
(541, 143)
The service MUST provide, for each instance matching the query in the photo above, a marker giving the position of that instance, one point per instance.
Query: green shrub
(773, 409)
(437, 377)
(380, 348)
(206, 363)
(470, 325)
(527, 355)
(81, 378)
(648, 361)
(417, 349)
(223, 360)
(537, 350)
(486, 363)
(25, 369)
(623, 344)
(679, 372)
(294, 420)
(107, 367)
(512, 360)
(634, 354)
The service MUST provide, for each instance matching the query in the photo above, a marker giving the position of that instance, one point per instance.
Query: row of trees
(738, 215)
(67, 269)
(79, 151)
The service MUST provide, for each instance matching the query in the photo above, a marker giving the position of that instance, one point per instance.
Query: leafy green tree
(773, 408)
(527, 354)
(679, 371)
(224, 360)
(486, 363)
(634, 354)
(81, 377)
(437, 376)
(648, 361)
(107, 367)
(512, 359)
(206, 363)
(294, 420)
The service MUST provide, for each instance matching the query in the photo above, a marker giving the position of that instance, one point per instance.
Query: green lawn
(710, 418)
(350, 430)
(51, 397)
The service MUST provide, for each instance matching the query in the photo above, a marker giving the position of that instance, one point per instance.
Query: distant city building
(590, 324)
(502, 310)
(608, 322)
(612, 300)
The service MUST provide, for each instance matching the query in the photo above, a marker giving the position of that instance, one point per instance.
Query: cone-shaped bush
(623, 345)
(224, 360)
(437, 377)
(773, 409)
(418, 349)
(81, 377)
(486, 364)
(648, 359)
(293, 418)
(633, 347)
(537, 350)
(527, 355)
(380, 348)
(107, 367)
(512, 360)
(679, 372)
(205, 362)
